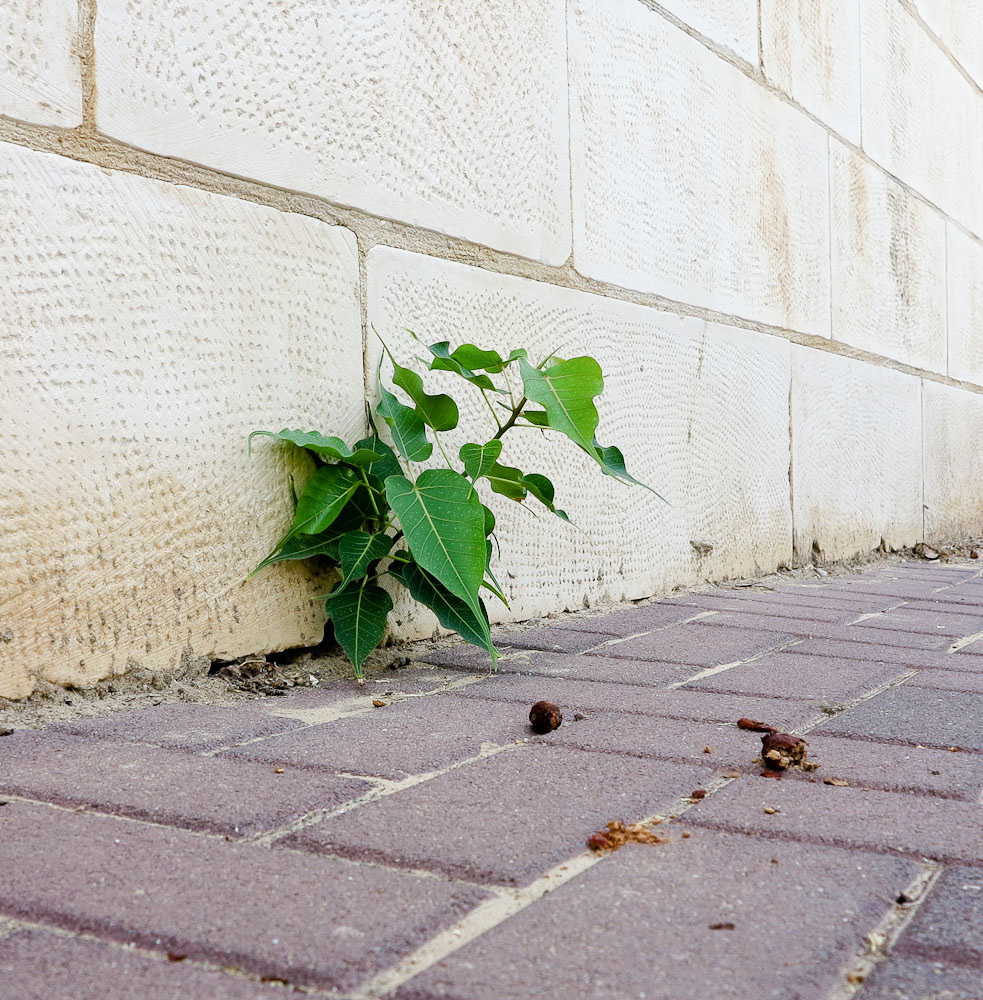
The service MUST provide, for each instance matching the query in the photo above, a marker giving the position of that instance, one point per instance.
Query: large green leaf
(453, 613)
(408, 430)
(467, 360)
(324, 497)
(357, 550)
(566, 391)
(479, 458)
(490, 583)
(542, 489)
(359, 616)
(302, 547)
(387, 464)
(444, 524)
(439, 410)
(330, 448)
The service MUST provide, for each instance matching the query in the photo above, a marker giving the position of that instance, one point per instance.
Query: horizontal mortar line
(723, 667)
(882, 937)
(153, 954)
(789, 837)
(889, 741)
(372, 230)
(492, 913)
(616, 641)
(270, 837)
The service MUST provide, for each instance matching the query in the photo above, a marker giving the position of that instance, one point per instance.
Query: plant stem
(516, 410)
(484, 396)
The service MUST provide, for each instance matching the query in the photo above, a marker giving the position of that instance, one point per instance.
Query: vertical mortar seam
(87, 14)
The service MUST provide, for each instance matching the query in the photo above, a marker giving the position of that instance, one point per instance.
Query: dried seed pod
(755, 726)
(782, 750)
(544, 717)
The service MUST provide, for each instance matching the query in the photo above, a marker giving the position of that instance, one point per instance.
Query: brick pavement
(436, 848)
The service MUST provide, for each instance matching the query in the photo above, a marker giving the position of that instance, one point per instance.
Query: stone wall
(764, 218)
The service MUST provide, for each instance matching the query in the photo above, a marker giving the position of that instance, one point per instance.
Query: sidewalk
(431, 846)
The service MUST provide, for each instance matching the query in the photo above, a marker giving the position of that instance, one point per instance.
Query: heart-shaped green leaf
(444, 524)
(479, 458)
(507, 481)
(408, 430)
(324, 497)
(330, 448)
(359, 615)
(387, 464)
(302, 547)
(542, 489)
(439, 411)
(566, 391)
(357, 550)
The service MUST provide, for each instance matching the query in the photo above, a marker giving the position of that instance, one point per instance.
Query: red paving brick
(947, 680)
(692, 644)
(35, 965)
(638, 924)
(915, 658)
(847, 817)
(927, 622)
(630, 621)
(308, 920)
(507, 818)
(410, 737)
(813, 677)
(911, 979)
(776, 608)
(237, 798)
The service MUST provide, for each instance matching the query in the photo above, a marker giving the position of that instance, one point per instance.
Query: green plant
(365, 510)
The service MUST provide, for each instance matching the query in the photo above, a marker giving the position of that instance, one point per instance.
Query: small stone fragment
(755, 726)
(686, 835)
(700, 793)
(782, 750)
(770, 810)
(774, 861)
(707, 750)
(955, 749)
(544, 717)
(278, 770)
(839, 782)
(379, 703)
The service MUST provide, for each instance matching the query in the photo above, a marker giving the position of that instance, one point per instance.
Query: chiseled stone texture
(888, 265)
(733, 24)
(856, 455)
(145, 329)
(953, 472)
(689, 179)
(964, 276)
(959, 25)
(700, 410)
(40, 71)
(434, 114)
(812, 51)
(920, 116)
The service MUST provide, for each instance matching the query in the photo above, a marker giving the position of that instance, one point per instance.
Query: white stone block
(449, 116)
(888, 265)
(965, 306)
(811, 50)
(953, 464)
(856, 455)
(40, 71)
(690, 180)
(959, 26)
(920, 116)
(700, 411)
(145, 329)
(733, 24)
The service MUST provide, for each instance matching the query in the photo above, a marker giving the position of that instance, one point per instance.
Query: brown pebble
(700, 793)
(379, 703)
(278, 770)
(686, 835)
(544, 717)
(771, 811)
(782, 750)
(774, 861)
(707, 750)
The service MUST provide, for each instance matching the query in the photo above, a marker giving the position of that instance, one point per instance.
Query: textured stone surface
(639, 924)
(911, 979)
(949, 920)
(147, 329)
(735, 601)
(911, 92)
(879, 821)
(690, 180)
(714, 398)
(953, 473)
(35, 965)
(733, 25)
(916, 715)
(432, 115)
(235, 798)
(919, 658)
(948, 680)
(888, 265)
(778, 674)
(856, 455)
(174, 891)
(40, 72)
(964, 285)
(696, 645)
(959, 25)
(412, 737)
(185, 727)
(812, 52)
(548, 801)
(937, 622)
